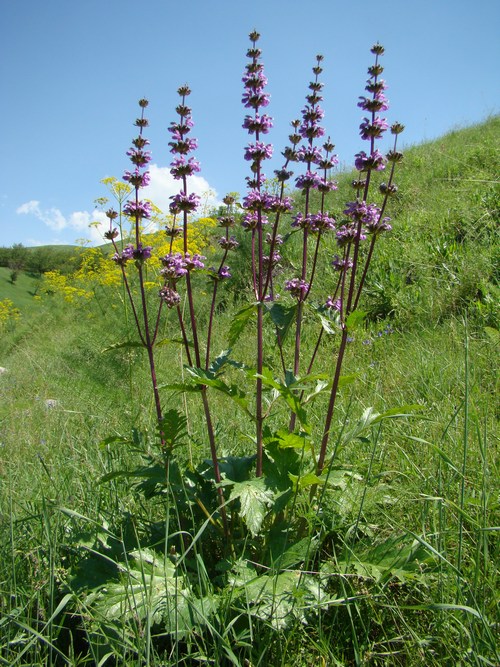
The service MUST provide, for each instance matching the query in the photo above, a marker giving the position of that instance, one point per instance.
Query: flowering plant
(270, 217)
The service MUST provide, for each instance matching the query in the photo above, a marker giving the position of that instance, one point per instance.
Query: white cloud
(32, 206)
(90, 224)
(163, 185)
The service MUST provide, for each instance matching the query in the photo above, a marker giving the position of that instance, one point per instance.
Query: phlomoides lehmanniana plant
(271, 221)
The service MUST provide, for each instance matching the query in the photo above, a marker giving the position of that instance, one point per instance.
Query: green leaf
(294, 554)
(173, 428)
(236, 468)
(281, 316)
(354, 319)
(283, 599)
(394, 558)
(151, 588)
(126, 344)
(207, 378)
(330, 322)
(371, 417)
(292, 400)
(219, 362)
(255, 500)
(240, 320)
(400, 411)
(293, 440)
(335, 477)
(305, 481)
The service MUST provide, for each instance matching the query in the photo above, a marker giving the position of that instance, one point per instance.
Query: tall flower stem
(185, 203)
(364, 219)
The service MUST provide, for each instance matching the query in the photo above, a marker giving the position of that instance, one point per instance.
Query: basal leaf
(255, 500)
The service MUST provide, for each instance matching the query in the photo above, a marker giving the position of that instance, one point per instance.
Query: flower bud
(388, 190)
(397, 128)
(394, 156)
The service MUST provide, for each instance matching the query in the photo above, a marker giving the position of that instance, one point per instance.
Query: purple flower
(258, 151)
(375, 87)
(348, 234)
(183, 146)
(255, 79)
(255, 100)
(169, 296)
(297, 287)
(138, 209)
(226, 221)
(184, 202)
(120, 258)
(142, 252)
(310, 154)
(139, 157)
(378, 226)
(275, 204)
(360, 211)
(378, 102)
(228, 243)
(181, 167)
(308, 180)
(312, 114)
(340, 264)
(373, 129)
(174, 266)
(278, 239)
(364, 162)
(302, 221)
(251, 220)
(326, 185)
(332, 304)
(137, 179)
(323, 222)
(274, 259)
(258, 123)
(178, 130)
(254, 201)
(130, 252)
(224, 273)
(194, 262)
(111, 234)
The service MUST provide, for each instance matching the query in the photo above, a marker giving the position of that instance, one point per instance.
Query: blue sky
(71, 72)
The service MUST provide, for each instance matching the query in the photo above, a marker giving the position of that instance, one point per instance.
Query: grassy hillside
(406, 542)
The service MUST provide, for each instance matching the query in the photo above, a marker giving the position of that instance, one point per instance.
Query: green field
(398, 564)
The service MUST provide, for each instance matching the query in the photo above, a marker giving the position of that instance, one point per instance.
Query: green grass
(21, 292)
(408, 547)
